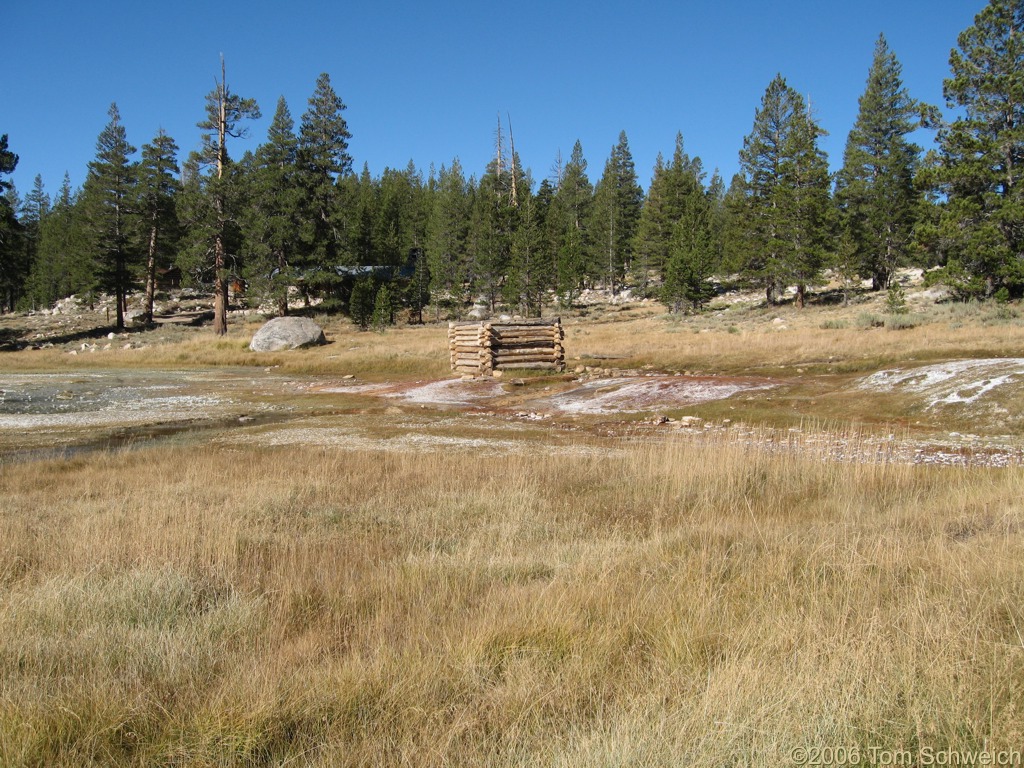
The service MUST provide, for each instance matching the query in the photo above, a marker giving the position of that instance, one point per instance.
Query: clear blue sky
(426, 81)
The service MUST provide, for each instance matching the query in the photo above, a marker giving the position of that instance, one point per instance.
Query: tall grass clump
(677, 603)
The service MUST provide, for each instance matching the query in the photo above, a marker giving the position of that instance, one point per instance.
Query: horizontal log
(523, 350)
(523, 331)
(526, 324)
(466, 347)
(517, 353)
(517, 339)
(523, 345)
(524, 328)
(514, 361)
(545, 365)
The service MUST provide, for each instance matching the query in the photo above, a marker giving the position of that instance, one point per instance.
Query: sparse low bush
(869, 320)
(902, 322)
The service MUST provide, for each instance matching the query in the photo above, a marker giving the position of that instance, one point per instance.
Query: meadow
(590, 601)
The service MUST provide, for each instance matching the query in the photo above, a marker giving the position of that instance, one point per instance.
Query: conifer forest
(299, 214)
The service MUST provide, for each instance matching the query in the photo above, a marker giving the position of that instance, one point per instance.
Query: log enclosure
(481, 348)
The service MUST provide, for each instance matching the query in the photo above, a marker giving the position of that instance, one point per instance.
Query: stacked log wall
(480, 349)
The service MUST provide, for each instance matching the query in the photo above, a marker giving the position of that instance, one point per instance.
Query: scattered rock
(284, 333)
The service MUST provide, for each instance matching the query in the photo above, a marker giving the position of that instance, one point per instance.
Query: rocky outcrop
(287, 333)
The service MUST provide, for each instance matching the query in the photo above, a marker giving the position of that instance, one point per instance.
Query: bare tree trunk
(151, 275)
(282, 301)
(220, 288)
(220, 284)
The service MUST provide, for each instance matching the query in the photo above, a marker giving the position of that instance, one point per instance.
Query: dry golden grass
(670, 604)
(726, 339)
(405, 351)
(821, 340)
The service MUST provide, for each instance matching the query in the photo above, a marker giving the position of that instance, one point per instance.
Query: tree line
(293, 215)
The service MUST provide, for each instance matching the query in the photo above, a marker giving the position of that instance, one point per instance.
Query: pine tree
(808, 204)
(615, 215)
(34, 210)
(157, 187)
(362, 302)
(323, 159)
(383, 308)
(109, 197)
(693, 251)
(575, 197)
(448, 235)
(361, 193)
(653, 229)
(10, 234)
(397, 220)
(529, 271)
(210, 197)
(272, 219)
(419, 285)
(668, 200)
(981, 226)
(495, 221)
(785, 205)
(875, 189)
(64, 265)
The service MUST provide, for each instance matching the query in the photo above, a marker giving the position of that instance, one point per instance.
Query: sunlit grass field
(660, 604)
(617, 602)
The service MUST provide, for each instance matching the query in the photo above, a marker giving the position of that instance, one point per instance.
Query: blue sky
(426, 81)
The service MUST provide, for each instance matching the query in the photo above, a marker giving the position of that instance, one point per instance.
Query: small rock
(348, 376)
(111, 335)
